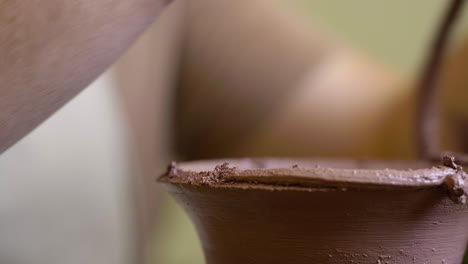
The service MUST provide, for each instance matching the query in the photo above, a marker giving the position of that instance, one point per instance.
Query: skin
(51, 50)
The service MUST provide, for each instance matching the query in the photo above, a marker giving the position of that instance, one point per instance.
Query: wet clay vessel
(324, 211)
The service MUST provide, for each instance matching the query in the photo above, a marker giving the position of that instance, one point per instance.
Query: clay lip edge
(224, 175)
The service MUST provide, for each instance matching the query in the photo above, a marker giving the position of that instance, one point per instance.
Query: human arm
(50, 50)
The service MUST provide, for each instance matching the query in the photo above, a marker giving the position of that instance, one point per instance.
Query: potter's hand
(50, 50)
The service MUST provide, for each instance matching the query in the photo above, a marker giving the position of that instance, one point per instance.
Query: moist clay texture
(324, 211)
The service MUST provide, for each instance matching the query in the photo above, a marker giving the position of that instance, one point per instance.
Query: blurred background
(219, 78)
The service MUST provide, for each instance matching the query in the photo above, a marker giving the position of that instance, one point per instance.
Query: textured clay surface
(370, 212)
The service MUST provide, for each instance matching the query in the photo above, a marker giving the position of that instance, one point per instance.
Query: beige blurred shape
(145, 77)
(454, 109)
(268, 83)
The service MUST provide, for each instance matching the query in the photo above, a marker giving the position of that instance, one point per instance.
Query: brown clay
(316, 211)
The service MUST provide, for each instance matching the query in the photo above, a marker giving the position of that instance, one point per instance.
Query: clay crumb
(455, 183)
(449, 161)
(217, 175)
(222, 170)
(172, 170)
(295, 166)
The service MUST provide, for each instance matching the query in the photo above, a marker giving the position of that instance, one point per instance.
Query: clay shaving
(455, 183)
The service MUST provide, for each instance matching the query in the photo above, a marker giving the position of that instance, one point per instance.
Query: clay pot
(319, 211)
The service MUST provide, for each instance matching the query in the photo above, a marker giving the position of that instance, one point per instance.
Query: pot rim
(309, 174)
